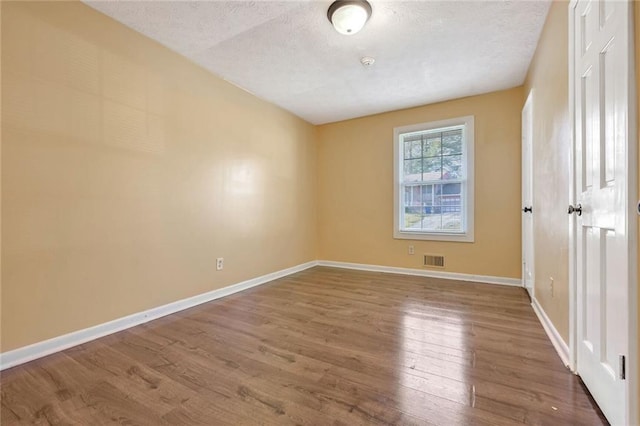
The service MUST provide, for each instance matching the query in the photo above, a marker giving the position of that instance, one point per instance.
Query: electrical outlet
(219, 263)
(551, 285)
(412, 250)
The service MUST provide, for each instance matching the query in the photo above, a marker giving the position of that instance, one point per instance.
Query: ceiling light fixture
(349, 16)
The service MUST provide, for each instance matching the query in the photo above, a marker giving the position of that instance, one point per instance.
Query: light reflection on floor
(444, 373)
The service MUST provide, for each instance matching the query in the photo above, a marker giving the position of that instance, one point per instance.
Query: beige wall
(355, 200)
(126, 170)
(548, 78)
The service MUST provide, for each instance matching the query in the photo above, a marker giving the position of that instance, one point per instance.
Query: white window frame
(467, 181)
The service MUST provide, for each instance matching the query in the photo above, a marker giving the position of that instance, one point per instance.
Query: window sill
(440, 236)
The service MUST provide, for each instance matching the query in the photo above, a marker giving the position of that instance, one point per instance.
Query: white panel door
(601, 79)
(527, 196)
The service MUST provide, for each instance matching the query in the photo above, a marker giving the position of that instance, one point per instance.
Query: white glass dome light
(348, 17)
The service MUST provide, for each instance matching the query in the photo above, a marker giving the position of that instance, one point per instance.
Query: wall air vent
(434, 260)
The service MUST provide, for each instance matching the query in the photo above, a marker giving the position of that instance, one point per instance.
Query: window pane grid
(434, 156)
(432, 181)
(434, 189)
(433, 207)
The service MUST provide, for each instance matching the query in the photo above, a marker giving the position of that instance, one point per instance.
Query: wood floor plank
(358, 339)
(325, 346)
(289, 393)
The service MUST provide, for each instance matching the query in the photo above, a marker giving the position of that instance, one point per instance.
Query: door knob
(577, 209)
(528, 209)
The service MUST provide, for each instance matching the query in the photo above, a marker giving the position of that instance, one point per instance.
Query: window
(433, 191)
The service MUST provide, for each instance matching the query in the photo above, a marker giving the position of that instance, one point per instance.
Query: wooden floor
(323, 346)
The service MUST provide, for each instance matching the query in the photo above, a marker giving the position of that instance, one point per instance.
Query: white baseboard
(554, 336)
(38, 350)
(60, 343)
(487, 279)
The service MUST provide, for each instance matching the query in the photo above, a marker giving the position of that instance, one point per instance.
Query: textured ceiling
(289, 54)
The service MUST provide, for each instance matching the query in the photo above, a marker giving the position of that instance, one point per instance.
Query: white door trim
(633, 363)
(633, 395)
(528, 107)
(573, 356)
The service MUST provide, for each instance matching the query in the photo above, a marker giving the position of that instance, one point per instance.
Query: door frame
(633, 362)
(528, 103)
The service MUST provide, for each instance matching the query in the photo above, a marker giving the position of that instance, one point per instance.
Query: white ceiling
(288, 53)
